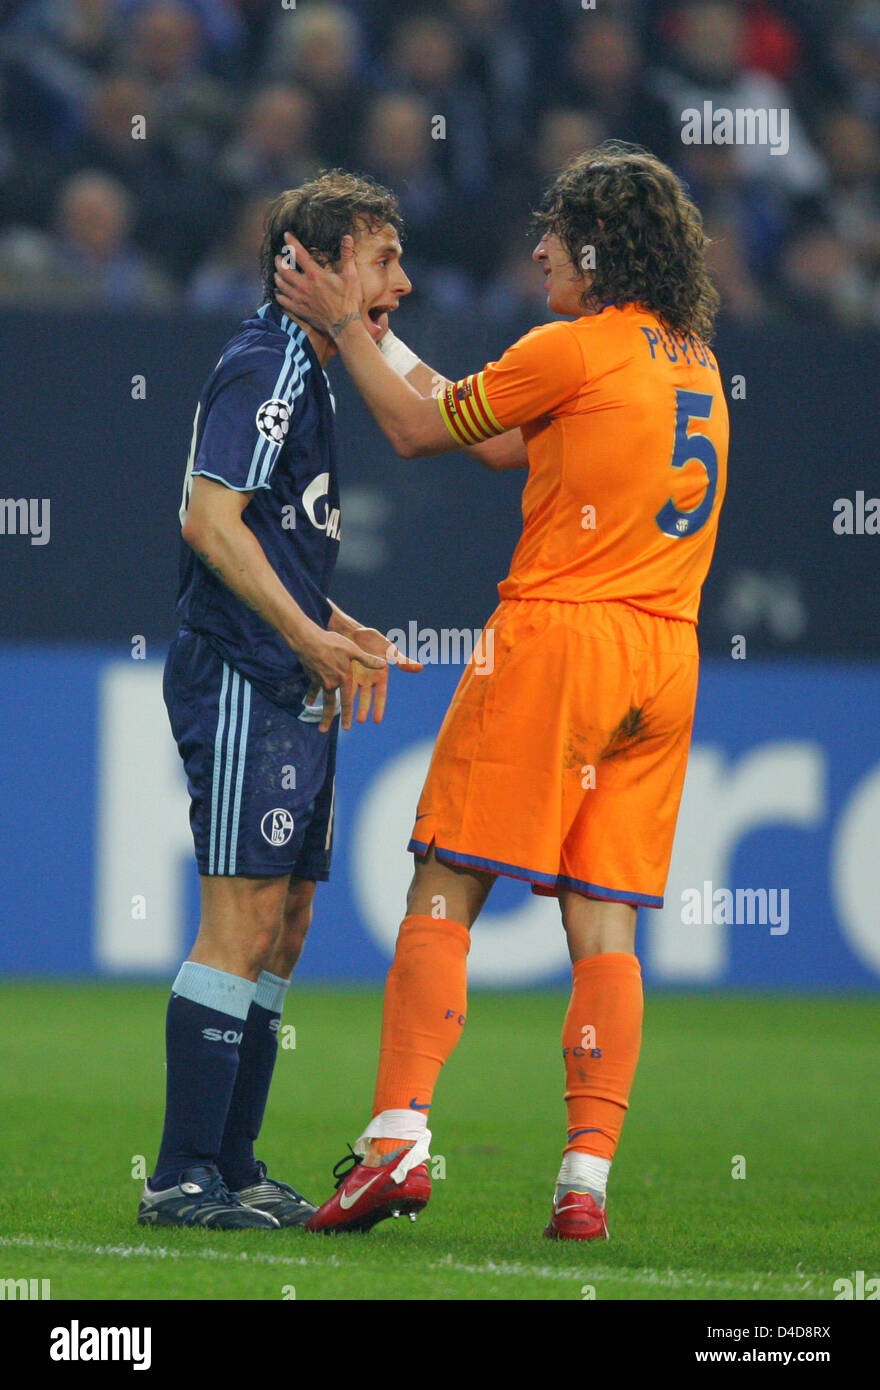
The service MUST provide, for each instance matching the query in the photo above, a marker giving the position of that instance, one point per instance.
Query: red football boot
(365, 1196)
(576, 1216)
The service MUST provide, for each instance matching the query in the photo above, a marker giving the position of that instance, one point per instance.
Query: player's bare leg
(600, 1043)
(594, 927)
(445, 890)
(296, 918)
(239, 925)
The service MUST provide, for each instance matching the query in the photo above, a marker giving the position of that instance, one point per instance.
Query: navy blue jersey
(265, 424)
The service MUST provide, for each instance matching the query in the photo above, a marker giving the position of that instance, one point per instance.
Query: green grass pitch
(787, 1083)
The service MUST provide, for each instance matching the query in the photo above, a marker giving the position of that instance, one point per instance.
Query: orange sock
(423, 1014)
(601, 1038)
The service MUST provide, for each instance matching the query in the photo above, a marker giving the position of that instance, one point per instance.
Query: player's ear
(346, 256)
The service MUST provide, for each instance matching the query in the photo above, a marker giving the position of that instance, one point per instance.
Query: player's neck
(324, 347)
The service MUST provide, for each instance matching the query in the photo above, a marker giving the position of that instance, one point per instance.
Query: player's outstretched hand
(337, 663)
(372, 684)
(325, 298)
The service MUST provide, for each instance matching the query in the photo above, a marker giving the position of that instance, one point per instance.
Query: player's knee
(594, 927)
(262, 924)
(296, 918)
(295, 924)
(441, 891)
(427, 890)
(413, 899)
(583, 945)
(258, 946)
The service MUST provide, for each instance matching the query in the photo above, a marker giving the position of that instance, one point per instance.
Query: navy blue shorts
(261, 778)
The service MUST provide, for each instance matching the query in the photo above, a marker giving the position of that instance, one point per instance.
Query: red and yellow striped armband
(466, 411)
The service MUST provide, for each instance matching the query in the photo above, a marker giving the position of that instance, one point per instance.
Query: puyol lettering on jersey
(76, 1343)
(677, 347)
(265, 425)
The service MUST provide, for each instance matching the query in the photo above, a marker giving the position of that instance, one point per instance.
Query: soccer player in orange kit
(563, 764)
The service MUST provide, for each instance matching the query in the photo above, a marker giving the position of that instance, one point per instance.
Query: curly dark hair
(320, 213)
(647, 235)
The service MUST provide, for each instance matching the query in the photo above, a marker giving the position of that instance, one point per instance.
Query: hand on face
(319, 295)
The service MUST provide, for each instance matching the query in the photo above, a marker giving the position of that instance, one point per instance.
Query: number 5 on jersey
(691, 405)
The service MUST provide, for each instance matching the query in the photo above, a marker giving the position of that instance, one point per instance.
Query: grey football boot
(276, 1198)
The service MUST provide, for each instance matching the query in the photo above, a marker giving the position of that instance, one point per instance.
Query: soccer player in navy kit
(259, 667)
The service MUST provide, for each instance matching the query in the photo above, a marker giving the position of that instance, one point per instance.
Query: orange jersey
(626, 430)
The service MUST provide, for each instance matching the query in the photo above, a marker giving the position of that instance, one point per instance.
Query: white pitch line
(155, 1252)
(750, 1281)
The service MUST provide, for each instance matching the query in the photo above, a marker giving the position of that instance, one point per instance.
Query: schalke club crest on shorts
(273, 420)
(277, 826)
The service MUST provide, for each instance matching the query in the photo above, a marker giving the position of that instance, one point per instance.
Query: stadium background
(125, 263)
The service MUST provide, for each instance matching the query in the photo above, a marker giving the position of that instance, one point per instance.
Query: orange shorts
(562, 756)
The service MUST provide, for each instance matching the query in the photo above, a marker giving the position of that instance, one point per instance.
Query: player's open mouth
(379, 309)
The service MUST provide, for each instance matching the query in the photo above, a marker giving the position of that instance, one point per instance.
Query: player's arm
(507, 450)
(215, 529)
(413, 424)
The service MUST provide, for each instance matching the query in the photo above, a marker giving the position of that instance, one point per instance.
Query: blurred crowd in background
(141, 139)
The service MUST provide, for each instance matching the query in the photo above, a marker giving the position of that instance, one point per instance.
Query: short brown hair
(320, 213)
(647, 235)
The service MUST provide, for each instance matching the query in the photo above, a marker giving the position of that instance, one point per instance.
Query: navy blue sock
(256, 1063)
(204, 1028)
